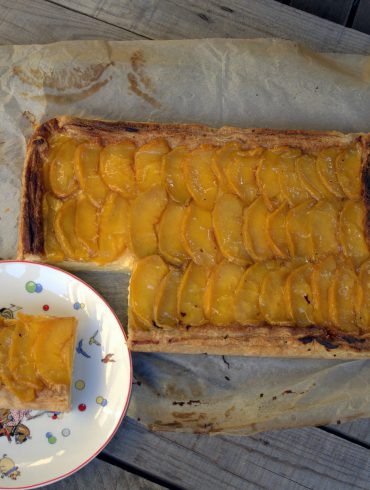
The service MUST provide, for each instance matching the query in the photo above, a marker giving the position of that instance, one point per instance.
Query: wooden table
(309, 458)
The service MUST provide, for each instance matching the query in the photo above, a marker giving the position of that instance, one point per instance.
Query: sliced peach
(62, 170)
(227, 224)
(254, 230)
(65, 231)
(53, 350)
(290, 183)
(363, 299)
(86, 224)
(149, 163)
(272, 300)
(50, 206)
(325, 165)
(220, 293)
(145, 281)
(173, 163)
(54, 144)
(165, 304)
(169, 234)
(309, 177)
(240, 172)
(299, 295)
(324, 224)
(267, 176)
(321, 279)
(348, 170)
(342, 294)
(87, 159)
(352, 226)
(197, 235)
(113, 228)
(117, 168)
(146, 211)
(298, 230)
(277, 232)
(220, 160)
(200, 178)
(247, 309)
(191, 295)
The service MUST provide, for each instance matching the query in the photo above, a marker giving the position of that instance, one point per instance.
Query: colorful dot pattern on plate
(38, 446)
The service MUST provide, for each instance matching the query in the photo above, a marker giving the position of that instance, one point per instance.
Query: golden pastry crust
(312, 342)
(56, 400)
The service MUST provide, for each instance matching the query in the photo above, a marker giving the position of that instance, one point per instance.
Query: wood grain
(290, 459)
(175, 19)
(100, 475)
(38, 22)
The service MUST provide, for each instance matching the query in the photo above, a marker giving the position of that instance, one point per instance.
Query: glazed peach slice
(272, 300)
(165, 303)
(149, 163)
(87, 158)
(169, 234)
(54, 145)
(190, 295)
(342, 295)
(310, 178)
(86, 223)
(298, 230)
(240, 171)
(348, 170)
(65, 231)
(113, 228)
(299, 295)
(267, 177)
(62, 170)
(254, 230)
(145, 281)
(290, 183)
(321, 279)
(146, 211)
(20, 357)
(50, 206)
(197, 235)
(277, 232)
(221, 158)
(117, 168)
(325, 165)
(53, 351)
(173, 166)
(220, 293)
(200, 178)
(363, 298)
(247, 309)
(324, 225)
(352, 223)
(227, 224)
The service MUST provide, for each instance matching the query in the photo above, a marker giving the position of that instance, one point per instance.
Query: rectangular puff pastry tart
(240, 241)
(36, 361)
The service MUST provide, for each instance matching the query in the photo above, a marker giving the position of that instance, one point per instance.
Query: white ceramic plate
(42, 447)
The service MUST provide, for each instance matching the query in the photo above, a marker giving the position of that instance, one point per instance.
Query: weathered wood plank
(36, 22)
(100, 475)
(362, 17)
(175, 19)
(336, 11)
(358, 430)
(291, 459)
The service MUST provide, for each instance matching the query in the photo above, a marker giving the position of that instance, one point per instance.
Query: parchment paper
(250, 83)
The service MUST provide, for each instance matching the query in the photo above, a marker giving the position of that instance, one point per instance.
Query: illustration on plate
(8, 313)
(8, 468)
(12, 426)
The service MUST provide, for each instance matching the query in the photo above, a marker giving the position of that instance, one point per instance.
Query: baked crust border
(268, 341)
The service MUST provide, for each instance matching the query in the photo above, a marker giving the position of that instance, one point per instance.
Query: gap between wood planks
(107, 458)
(58, 4)
(130, 468)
